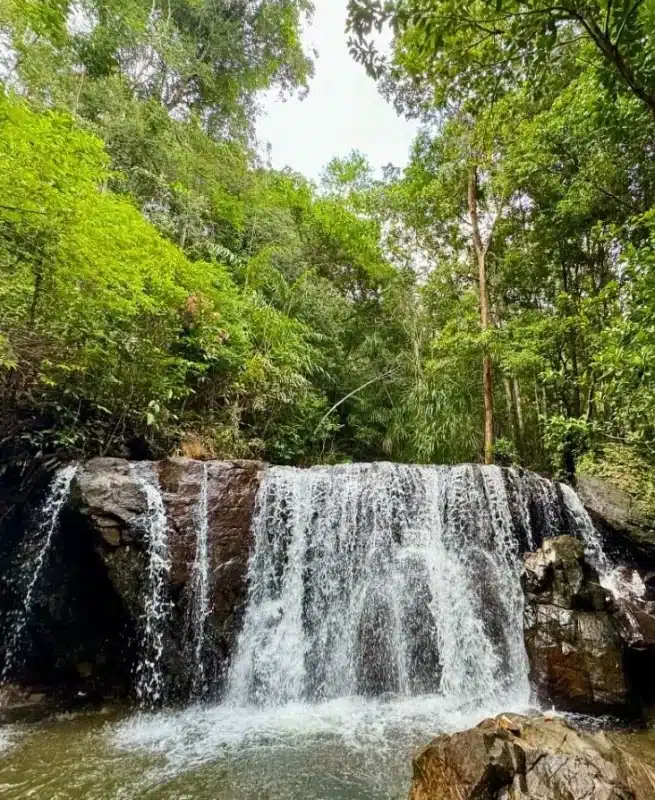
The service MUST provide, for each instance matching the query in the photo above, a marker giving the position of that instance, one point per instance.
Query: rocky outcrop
(627, 531)
(572, 635)
(87, 610)
(109, 495)
(636, 623)
(589, 651)
(106, 493)
(231, 491)
(636, 620)
(529, 758)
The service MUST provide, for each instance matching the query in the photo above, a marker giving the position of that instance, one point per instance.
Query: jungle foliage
(162, 290)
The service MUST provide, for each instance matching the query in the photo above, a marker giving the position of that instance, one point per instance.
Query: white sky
(342, 112)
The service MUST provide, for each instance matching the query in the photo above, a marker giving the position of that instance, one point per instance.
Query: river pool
(348, 749)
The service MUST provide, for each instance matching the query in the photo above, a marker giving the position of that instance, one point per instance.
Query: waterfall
(378, 578)
(537, 506)
(32, 567)
(200, 604)
(149, 669)
(612, 578)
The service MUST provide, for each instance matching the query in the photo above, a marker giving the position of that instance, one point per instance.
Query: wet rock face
(637, 624)
(572, 636)
(627, 532)
(521, 758)
(231, 490)
(107, 493)
(559, 575)
(636, 620)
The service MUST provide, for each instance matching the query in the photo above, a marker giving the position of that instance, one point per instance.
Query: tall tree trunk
(574, 403)
(509, 398)
(519, 411)
(487, 371)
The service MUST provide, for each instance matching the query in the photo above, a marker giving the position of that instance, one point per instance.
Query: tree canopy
(162, 290)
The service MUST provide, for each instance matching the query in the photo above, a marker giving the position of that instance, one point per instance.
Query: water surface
(346, 749)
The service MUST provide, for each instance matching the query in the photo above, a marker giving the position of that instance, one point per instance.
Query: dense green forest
(163, 290)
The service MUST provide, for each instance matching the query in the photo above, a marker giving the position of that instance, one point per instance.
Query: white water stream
(384, 607)
(40, 544)
(382, 580)
(618, 581)
(200, 602)
(150, 669)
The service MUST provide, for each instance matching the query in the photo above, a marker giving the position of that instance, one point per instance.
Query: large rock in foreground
(521, 758)
(572, 636)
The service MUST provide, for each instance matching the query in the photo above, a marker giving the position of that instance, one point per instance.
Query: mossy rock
(617, 487)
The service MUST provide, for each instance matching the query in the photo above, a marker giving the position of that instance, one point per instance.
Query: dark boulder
(572, 635)
(109, 494)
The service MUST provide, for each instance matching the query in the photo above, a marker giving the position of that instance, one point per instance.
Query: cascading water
(149, 669)
(32, 567)
(200, 604)
(374, 579)
(384, 608)
(537, 506)
(612, 578)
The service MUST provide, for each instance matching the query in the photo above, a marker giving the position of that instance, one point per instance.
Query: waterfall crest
(40, 543)
(381, 578)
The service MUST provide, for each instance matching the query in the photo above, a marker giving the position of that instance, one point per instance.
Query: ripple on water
(9, 736)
